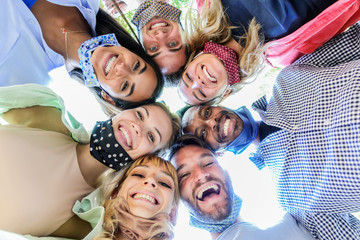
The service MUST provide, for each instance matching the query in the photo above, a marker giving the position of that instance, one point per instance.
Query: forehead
(191, 155)
(152, 166)
(189, 116)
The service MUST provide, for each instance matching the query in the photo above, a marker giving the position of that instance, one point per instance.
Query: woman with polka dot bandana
(96, 50)
(48, 162)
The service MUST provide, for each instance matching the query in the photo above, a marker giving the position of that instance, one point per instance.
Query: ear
(173, 215)
(107, 98)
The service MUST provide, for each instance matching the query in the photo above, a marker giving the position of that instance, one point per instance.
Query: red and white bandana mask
(228, 56)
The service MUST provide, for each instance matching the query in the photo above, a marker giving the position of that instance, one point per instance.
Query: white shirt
(287, 229)
(25, 57)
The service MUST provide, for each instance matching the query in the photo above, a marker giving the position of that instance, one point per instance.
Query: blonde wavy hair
(213, 25)
(112, 180)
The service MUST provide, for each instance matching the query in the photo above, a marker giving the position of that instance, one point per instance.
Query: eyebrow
(155, 55)
(145, 166)
(131, 90)
(176, 49)
(157, 130)
(197, 97)
(186, 85)
(143, 69)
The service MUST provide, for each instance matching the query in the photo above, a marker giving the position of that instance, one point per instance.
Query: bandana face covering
(247, 135)
(85, 52)
(151, 8)
(213, 226)
(105, 148)
(228, 56)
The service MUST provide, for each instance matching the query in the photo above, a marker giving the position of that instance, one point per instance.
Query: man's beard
(219, 210)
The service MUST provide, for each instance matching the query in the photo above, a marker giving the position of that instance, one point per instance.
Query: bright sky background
(252, 185)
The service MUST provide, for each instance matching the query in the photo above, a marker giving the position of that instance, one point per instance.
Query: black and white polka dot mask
(105, 148)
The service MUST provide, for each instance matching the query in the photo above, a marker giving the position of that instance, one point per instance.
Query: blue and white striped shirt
(315, 157)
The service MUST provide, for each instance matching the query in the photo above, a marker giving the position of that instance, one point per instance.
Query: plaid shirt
(315, 157)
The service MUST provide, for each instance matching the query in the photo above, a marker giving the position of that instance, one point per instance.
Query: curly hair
(111, 180)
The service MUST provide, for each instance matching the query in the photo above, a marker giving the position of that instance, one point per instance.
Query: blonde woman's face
(204, 79)
(142, 130)
(148, 190)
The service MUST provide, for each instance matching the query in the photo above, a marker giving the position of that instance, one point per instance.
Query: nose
(198, 83)
(150, 182)
(211, 123)
(201, 175)
(137, 128)
(121, 69)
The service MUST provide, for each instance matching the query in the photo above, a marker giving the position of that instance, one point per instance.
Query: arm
(46, 118)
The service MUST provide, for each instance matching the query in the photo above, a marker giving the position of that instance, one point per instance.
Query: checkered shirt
(315, 157)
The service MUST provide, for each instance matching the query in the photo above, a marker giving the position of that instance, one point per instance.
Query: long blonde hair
(212, 24)
(111, 180)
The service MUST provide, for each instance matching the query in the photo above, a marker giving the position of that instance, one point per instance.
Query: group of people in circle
(121, 181)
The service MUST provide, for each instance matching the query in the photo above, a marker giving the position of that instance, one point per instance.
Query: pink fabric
(332, 21)
(228, 56)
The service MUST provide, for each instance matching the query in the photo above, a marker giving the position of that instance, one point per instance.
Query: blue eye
(172, 44)
(153, 48)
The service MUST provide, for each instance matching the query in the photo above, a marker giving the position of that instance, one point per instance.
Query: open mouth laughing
(146, 197)
(208, 75)
(208, 192)
(125, 136)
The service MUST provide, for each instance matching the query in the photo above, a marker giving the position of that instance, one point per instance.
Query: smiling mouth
(145, 197)
(109, 64)
(158, 25)
(126, 136)
(225, 131)
(208, 191)
(208, 75)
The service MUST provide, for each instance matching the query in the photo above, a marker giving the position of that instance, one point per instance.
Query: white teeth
(208, 75)
(157, 25)
(144, 196)
(109, 64)
(126, 136)
(201, 192)
(226, 127)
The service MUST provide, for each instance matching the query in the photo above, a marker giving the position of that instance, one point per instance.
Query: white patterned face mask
(85, 52)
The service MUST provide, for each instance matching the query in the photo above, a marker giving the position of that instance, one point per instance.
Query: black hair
(187, 140)
(106, 24)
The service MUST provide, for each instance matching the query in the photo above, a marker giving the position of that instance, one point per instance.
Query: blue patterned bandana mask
(151, 8)
(247, 135)
(105, 148)
(85, 52)
(213, 226)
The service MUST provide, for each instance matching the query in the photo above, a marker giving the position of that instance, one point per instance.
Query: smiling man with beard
(223, 128)
(207, 192)
(309, 137)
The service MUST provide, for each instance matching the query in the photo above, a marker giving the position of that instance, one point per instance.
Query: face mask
(213, 226)
(105, 148)
(85, 52)
(247, 135)
(151, 8)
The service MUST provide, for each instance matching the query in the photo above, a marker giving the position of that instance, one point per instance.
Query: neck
(233, 45)
(72, 42)
(214, 236)
(90, 168)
